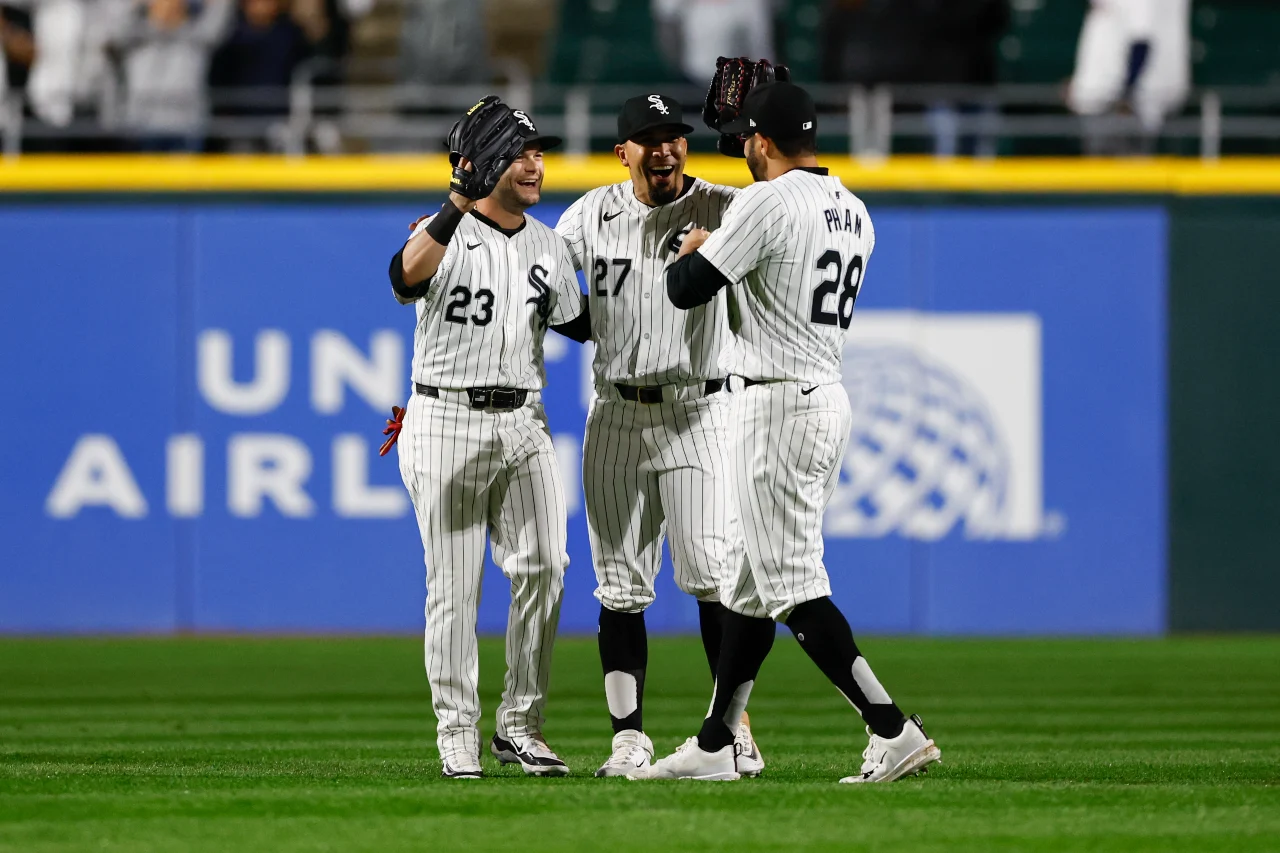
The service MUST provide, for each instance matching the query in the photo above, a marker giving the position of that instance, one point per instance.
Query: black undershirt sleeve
(579, 328)
(693, 281)
(405, 293)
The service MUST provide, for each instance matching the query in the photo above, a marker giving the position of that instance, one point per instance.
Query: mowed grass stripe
(298, 744)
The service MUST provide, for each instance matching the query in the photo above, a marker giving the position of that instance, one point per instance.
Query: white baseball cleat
(461, 767)
(750, 761)
(531, 753)
(889, 759)
(632, 752)
(690, 761)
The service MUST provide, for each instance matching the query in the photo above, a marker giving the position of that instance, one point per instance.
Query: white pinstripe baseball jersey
(623, 246)
(800, 244)
(487, 308)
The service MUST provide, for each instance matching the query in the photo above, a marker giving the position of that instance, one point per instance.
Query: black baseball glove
(489, 137)
(734, 79)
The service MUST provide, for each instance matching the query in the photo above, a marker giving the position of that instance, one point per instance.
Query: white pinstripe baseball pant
(650, 471)
(785, 451)
(470, 472)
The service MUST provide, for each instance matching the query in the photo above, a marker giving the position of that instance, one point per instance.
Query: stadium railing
(869, 123)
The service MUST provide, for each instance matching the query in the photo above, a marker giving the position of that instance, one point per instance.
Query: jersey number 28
(846, 279)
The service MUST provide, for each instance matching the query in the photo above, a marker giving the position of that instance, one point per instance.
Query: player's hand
(692, 241)
(460, 201)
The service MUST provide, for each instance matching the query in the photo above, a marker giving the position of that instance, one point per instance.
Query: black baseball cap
(646, 112)
(777, 110)
(529, 131)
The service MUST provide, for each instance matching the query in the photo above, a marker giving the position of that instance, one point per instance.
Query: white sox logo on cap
(524, 119)
(657, 103)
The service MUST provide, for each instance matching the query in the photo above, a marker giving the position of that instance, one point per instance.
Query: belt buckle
(649, 395)
(503, 398)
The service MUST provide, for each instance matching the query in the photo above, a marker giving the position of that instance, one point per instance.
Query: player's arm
(414, 265)
(570, 228)
(751, 231)
(692, 280)
(579, 328)
(570, 317)
(482, 144)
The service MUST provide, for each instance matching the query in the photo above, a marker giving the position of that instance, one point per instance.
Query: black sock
(711, 621)
(624, 656)
(746, 644)
(825, 636)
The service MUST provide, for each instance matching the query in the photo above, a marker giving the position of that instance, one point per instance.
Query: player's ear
(621, 152)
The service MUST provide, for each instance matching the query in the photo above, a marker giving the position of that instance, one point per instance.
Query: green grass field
(318, 744)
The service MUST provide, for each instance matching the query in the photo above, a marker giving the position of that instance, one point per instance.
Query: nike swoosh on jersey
(476, 246)
(607, 217)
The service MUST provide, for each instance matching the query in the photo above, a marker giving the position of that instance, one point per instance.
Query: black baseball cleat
(532, 754)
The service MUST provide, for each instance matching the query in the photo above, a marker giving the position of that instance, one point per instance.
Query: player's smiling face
(656, 161)
(522, 182)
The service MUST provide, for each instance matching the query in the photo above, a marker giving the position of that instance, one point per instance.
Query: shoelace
(625, 754)
(687, 747)
(537, 746)
(869, 761)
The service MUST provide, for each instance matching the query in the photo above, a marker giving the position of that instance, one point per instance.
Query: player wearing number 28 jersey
(791, 252)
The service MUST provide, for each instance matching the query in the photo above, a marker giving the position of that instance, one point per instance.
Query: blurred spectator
(1132, 55)
(58, 27)
(164, 47)
(17, 45)
(47, 54)
(327, 26)
(251, 71)
(254, 68)
(922, 42)
(694, 33)
(913, 41)
(444, 41)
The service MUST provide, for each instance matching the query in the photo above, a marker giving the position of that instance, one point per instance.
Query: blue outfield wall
(193, 395)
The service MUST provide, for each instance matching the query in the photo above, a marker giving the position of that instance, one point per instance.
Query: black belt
(747, 383)
(651, 394)
(483, 398)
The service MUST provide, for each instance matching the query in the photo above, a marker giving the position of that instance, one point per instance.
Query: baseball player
(653, 459)
(475, 451)
(792, 249)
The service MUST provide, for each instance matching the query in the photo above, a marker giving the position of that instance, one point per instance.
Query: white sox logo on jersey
(657, 103)
(524, 119)
(541, 300)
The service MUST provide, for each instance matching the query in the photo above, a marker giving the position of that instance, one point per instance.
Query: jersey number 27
(846, 279)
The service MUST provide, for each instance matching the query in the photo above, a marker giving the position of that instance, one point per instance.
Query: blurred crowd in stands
(150, 73)
(144, 69)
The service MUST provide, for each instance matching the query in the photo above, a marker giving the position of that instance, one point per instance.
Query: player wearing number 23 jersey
(475, 451)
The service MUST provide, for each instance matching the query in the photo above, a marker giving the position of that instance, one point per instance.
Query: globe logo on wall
(925, 455)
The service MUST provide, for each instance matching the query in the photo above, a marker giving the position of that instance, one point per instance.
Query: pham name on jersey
(849, 222)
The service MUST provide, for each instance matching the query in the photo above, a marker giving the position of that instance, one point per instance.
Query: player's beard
(755, 161)
(515, 198)
(667, 191)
